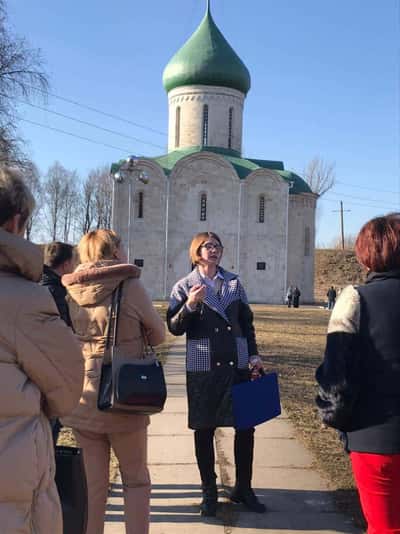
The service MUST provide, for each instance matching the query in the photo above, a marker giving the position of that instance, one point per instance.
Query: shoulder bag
(129, 384)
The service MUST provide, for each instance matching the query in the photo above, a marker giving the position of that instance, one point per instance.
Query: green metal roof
(242, 166)
(207, 59)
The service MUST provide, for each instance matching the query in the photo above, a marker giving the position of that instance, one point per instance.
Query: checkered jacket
(219, 332)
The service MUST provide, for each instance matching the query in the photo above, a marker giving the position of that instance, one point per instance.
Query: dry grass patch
(292, 342)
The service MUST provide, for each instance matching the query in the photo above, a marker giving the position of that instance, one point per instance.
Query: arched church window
(140, 205)
(261, 209)
(203, 207)
(307, 241)
(205, 125)
(230, 127)
(177, 126)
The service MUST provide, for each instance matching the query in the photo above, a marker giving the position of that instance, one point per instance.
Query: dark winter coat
(52, 281)
(331, 294)
(220, 338)
(360, 375)
(296, 297)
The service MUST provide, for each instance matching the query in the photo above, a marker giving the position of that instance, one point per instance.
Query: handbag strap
(146, 342)
(113, 320)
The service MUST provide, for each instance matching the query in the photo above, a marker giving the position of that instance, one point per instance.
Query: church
(263, 213)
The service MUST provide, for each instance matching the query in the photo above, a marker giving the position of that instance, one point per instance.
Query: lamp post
(129, 171)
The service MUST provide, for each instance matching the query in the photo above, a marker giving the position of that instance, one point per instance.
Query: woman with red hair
(359, 379)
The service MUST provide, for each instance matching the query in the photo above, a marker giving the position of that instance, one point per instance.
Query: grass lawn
(292, 342)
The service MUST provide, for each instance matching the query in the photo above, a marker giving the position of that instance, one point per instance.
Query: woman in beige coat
(41, 372)
(89, 294)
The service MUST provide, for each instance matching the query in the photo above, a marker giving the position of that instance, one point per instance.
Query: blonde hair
(15, 196)
(197, 241)
(98, 245)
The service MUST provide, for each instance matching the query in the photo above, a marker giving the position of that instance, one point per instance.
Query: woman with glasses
(210, 306)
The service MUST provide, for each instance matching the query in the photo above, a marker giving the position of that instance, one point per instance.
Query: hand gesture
(197, 294)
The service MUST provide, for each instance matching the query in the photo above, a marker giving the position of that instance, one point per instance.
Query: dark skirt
(210, 398)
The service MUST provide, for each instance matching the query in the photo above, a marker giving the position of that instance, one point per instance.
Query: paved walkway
(296, 496)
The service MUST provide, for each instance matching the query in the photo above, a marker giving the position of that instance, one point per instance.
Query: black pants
(243, 449)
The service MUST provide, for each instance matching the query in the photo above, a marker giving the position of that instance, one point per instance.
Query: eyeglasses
(212, 246)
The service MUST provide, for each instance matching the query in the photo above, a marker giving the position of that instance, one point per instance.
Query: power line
(92, 125)
(366, 187)
(123, 150)
(96, 110)
(356, 198)
(383, 206)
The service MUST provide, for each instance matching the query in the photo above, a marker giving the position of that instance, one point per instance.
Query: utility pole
(341, 211)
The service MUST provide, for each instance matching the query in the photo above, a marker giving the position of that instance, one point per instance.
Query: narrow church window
(177, 127)
(230, 127)
(205, 125)
(261, 209)
(140, 205)
(203, 207)
(139, 262)
(307, 241)
(261, 266)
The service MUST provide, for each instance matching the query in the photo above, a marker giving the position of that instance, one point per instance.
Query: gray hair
(15, 196)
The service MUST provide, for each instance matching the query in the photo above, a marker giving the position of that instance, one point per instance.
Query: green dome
(207, 59)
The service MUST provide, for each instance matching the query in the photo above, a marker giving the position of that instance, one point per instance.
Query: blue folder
(256, 401)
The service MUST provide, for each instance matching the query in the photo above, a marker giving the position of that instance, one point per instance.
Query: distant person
(289, 296)
(331, 297)
(210, 306)
(58, 260)
(359, 379)
(296, 297)
(41, 373)
(90, 287)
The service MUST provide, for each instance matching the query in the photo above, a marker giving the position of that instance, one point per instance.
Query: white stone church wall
(264, 243)
(191, 101)
(202, 173)
(301, 244)
(147, 236)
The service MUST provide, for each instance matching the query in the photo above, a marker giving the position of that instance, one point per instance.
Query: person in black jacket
(359, 379)
(331, 294)
(210, 306)
(58, 260)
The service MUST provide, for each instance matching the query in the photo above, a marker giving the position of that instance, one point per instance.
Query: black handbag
(128, 384)
(71, 485)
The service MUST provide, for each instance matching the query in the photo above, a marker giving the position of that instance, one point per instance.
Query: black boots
(242, 492)
(248, 498)
(208, 505)
(244, 452)
(204, 447)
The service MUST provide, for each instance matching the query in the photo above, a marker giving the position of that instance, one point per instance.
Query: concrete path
(296, 496)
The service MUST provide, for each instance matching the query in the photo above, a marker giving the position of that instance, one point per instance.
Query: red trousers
(378, 481)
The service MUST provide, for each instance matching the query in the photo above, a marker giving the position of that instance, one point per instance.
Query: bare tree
(21, 72)
(32, 179)
(70, 202)
(320, 175)
(103, 196)
(88, 204)
(53, 191)
(349, 242)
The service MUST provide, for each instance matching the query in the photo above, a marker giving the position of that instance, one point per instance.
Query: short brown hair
(197, 241)
(378, 244)
(15, 196)
(98, 245)
(57, 253)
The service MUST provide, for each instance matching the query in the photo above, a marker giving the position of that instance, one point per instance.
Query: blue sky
(325, 81)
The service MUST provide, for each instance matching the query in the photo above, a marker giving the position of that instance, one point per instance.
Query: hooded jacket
(90, 289)
(41, 371)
